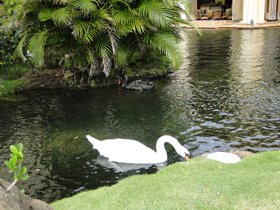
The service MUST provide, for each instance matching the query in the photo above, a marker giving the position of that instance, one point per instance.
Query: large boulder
(16, 200)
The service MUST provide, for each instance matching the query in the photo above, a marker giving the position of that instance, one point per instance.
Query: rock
(241, 154)
(16, 200)
(67, 74)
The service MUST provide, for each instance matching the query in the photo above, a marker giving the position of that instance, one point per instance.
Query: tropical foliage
(9, 34)
(97, 36)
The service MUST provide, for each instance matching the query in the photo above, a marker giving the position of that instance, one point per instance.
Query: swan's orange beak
(188, 157)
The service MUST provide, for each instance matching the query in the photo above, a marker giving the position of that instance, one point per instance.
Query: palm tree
(98, 35)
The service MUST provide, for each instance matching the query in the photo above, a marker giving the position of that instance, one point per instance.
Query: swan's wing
(126, 151)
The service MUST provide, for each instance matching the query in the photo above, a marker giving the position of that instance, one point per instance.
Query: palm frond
(187, 10)
(45, 14)
(169, 2)
(62, 2)
(166, 44)
(103, 47)
(106, 65)
(122, 30)
(62, 16)
(80, 27)
(86, 6)
(94, 66)
(36, 47)
(124, 16)
(87, 31)
(139, 25)
(156, 12)
(121, 57)
(113, 39)
(114, 3)
(180, 21)
(19, 49)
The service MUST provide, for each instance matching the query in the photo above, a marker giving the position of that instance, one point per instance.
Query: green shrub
(15, 165)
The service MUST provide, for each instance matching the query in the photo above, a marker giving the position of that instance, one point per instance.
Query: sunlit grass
(200, 183)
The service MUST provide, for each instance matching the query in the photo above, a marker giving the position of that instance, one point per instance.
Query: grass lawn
(253, 183)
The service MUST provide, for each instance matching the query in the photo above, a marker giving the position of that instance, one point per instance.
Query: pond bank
(56, 78)
(198, 184)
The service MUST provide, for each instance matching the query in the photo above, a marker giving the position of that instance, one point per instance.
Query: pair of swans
(131, 151)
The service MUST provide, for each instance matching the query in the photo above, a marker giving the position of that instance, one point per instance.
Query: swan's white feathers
(224, 157)
(125, 150)
(131, 151)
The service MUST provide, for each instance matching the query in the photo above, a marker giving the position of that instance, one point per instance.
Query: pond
(225, 96)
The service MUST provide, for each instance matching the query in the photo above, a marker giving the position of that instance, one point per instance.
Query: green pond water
(225, 96)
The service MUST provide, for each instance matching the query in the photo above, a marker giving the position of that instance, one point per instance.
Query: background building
(246, 11)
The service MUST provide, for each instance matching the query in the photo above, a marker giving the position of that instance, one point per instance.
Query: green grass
(200, 183)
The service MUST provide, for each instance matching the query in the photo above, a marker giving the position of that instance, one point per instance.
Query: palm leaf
(180, 21)
(169, 2)
(103, 46)
(81, 27)
(62, 2)
(106, 65)
(122, 57)
(187, 8)
(86, 31)
(124, 16)
(45, 14)
(62, 16)
(18, 51)
(167, 44)
(156, 12)
(122, 30)
(36, 47)
(113, 39)
(114, 3)
(139, 26)
(92, 60)
(86, 5)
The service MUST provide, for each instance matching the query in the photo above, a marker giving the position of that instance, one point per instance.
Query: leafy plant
(15, 165)
(97, 36)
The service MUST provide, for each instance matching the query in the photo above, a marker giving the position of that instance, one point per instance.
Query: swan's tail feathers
(95, 142)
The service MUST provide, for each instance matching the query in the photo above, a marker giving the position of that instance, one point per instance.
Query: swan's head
(184, 153)
(181, 150)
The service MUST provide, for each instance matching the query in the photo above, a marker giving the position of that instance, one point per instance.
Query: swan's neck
(161, 152)
(160, 145)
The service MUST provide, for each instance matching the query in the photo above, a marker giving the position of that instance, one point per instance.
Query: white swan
(224, 157)
(131, 151)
